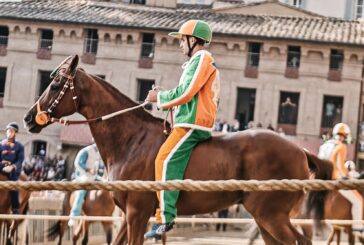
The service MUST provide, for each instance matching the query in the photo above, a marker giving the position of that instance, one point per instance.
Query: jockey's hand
(152, 96)
(8, 169)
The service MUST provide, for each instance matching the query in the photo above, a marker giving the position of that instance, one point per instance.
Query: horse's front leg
(140, 207)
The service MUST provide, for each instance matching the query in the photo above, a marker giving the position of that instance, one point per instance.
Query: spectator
(250, 125)
(281, 132)
(225, 127)
(236, 126)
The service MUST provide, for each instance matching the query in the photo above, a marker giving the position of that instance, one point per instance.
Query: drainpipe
(358, 131)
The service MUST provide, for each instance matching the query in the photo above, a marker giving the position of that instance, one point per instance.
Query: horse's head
(58, 100)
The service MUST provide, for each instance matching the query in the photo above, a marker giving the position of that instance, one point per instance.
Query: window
(137, 2)
(253, 54)
(359, 8)
(46, 39)
(143, 88)
(336, 59)
(148, 45)
(4, 35)
(2, 81)
(39, 148)
(331, 111)
(288, 108)
(44, 81)
(245, 106)
(91, 41)
(294, 56)
(297, 3)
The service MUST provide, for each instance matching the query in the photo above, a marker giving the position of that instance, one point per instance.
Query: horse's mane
(145, 115)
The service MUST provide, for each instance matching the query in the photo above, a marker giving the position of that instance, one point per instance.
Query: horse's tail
(54, 231)
(322, 169)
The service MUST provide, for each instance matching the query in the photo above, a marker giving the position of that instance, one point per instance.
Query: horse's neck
(116, 136)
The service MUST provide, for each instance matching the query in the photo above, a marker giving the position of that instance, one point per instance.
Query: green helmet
(195, 28)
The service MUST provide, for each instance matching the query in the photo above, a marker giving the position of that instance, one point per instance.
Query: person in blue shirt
(11, 160)
(88, 167)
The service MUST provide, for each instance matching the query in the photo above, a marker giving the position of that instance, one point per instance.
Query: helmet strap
(190, 49)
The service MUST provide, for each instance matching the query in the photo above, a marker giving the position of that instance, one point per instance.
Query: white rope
(123, 111)
(178, 220)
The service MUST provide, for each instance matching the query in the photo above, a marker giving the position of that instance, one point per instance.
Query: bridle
(43, 117)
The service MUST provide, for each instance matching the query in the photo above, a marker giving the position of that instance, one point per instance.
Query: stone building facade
(300, 74)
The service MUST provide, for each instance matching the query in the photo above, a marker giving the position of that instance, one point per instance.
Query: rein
(97, 119)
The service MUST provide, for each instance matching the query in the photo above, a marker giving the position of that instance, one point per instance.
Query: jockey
(336, 151)
(196, 101)
(11, 160)
(88, 167)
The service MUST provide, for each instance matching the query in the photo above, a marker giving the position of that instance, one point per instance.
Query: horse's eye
(54, 86)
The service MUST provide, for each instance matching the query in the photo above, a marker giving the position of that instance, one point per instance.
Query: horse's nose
(28, 118)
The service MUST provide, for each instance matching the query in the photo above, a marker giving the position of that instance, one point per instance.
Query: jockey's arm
(20, 159)
(196, 75)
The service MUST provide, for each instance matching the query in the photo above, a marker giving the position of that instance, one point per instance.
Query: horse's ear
(73, 65)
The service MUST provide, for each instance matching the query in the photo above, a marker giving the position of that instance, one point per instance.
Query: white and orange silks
(337, 155)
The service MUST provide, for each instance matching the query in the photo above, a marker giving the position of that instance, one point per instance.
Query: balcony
(291, 72)
(334, 75)
(3, 45)
(45, 48)
(147, 55)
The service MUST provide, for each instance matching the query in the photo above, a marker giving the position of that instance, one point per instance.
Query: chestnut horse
(130, 142)
(97, 203)
(5, 208)
(336, 207)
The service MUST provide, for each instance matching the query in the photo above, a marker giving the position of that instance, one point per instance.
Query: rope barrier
(178, 220)
(187, 185)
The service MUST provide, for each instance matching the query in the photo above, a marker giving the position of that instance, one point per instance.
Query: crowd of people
(42, 168)
(223, 126)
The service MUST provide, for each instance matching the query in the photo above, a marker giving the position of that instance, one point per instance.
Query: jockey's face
(10, 133)
(183, 44)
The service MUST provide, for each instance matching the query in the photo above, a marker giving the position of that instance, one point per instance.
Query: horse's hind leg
(268, 238)
(284, 233)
